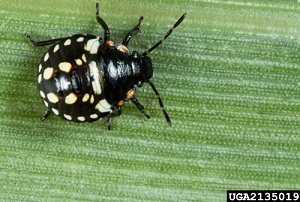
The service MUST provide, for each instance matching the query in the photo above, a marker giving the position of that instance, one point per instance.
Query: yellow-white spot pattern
(55, 111)
(67, 42)
(81, 118)
(68, 117)
(80, 39)
(65, 66)
(52, 97)
(93, 116)
(85, 97)
(71, 98)
(78, 62)
(103, 106)
(48, 72)
(56, 48)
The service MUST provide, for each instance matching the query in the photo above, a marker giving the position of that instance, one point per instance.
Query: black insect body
(84, 78)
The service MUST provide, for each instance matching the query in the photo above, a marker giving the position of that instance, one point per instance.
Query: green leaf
(228, 76)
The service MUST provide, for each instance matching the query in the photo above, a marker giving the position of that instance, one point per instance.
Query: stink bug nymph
(84, 78)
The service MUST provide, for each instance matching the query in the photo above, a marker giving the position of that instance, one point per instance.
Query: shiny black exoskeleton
(84, 78)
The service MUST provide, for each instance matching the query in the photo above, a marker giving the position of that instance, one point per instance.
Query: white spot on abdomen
(92, 99)
(71, 98)
(48, 72)
(39, 78)
(55, 111)
(83, 58)
(67, 42)
(40, 68)
(46, 57)
(96, 87)
(42, 94)
(68, 117)
(52, 97)
(93, 116)
(85, 97)
(65, 66)
(81, 118)
(80, 39)
(46, 103)
(94, 72)
(103, 106)
(56, 48)
(92, 45)
(78, 62)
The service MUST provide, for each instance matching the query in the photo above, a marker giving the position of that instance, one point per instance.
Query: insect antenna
(166, 35)
(160, 103)
(102, 23)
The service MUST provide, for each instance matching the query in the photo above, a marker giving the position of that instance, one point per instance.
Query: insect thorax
(121, 71)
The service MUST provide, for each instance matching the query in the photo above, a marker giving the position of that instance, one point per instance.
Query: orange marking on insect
(130, 93)
(121, 103)
(110, 43)
(122, 48)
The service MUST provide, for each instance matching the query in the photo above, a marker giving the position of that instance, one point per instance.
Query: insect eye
(139, 84)
(135, 54)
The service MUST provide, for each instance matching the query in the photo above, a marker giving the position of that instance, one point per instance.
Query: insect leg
(160, 103)
(139, 106)
(116, 112)
(132, 32)
(46, 115)
(108, 123)
(41, 43)
(103, 24)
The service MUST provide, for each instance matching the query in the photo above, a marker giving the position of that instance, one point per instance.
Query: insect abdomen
(69, 80)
